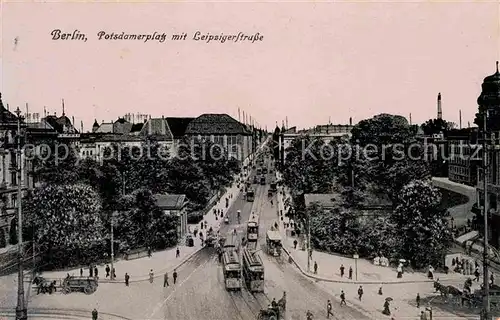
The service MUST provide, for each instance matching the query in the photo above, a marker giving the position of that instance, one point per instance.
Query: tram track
(61, 313)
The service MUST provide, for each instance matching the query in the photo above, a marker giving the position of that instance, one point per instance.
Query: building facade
(463, 156)
(234, 137)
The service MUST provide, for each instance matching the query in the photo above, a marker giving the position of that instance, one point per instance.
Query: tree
(56, 163)
(390, 155)
(64, 216)
(436, 126)
(424, 234)
(337, 230)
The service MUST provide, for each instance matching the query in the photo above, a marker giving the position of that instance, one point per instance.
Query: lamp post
(356, 257)
(486, 286)
(21, 311)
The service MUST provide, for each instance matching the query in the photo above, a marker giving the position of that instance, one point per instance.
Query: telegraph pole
(486, 285)
(21, 311)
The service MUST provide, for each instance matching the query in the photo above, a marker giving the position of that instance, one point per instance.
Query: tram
(250, 195)
(263, 180)
(273, 243)
(253, 228)
(232, 270)
(230, 243)
(253, 271)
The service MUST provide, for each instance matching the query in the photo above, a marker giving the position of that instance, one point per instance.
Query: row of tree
(69, 214)
(381, 159)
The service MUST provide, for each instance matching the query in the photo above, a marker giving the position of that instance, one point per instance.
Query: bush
(194, 217)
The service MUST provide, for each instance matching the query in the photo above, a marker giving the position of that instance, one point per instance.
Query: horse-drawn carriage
(274, 312)
(73, 283)
(88, 285)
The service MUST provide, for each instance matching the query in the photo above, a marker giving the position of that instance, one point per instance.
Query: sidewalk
(160, 261)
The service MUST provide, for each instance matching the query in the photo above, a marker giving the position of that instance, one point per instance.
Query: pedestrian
(342, 298)
(91, 271)
(315, 267)
(418, 300)
(94, 314)
(177, 252)
(107, 270)
(96, 272)
(350, 273)
(127, 278)
(201, 225)
(360, 292)
(174, 275)
(165, 280)
(114, 273)
(380, 291)
(149, 252)
(342, 270)
(151, 276)
(476, 275)
(295, 244)
(81, 272)
(329, 309)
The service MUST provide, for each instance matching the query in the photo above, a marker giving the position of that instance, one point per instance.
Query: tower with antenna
(439, 107)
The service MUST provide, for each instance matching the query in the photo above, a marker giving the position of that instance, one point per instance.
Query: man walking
(350, 273)
(165, 280)
(315, 267)
(417, 300)
(151, 276)
(94, 314)
(342, 298)
(174, 275)
(177, 252)
(342, 270)
(127, 278)
(96, 272)
(107, 270)
(295, 244)
(329, 309)
(360, 292)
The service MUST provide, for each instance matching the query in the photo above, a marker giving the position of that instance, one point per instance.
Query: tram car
(253, 271)
(250, 195)
(273, 243)
(232, 270)
(230, 243)
(253, 228)
(263, 180)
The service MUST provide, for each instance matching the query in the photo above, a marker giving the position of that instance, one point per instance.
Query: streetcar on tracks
(253, 228)
(263, 180)
(230, 243)
(253, 271)
(273, 243)
(232, 270)
(250, 195)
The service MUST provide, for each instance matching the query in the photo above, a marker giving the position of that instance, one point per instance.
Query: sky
(317, 61)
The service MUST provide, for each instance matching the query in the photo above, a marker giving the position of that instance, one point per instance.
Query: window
(13, 178)
(13, 200)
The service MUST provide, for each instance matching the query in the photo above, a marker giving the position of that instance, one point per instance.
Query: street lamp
(21, 311)
(486, 286)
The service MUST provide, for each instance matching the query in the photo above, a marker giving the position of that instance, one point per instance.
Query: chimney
(439, 108)
(350, 121)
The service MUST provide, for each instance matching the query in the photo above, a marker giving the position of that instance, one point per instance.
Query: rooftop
(216, 124)
(178, 126)
(170, 201)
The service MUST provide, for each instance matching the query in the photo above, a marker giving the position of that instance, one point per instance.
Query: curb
(309, 275)
(159, 275)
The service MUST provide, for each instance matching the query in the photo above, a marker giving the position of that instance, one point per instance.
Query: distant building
(326, 132)
(463, 158)
(175, 205)
(122, 132)
(223, 130)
